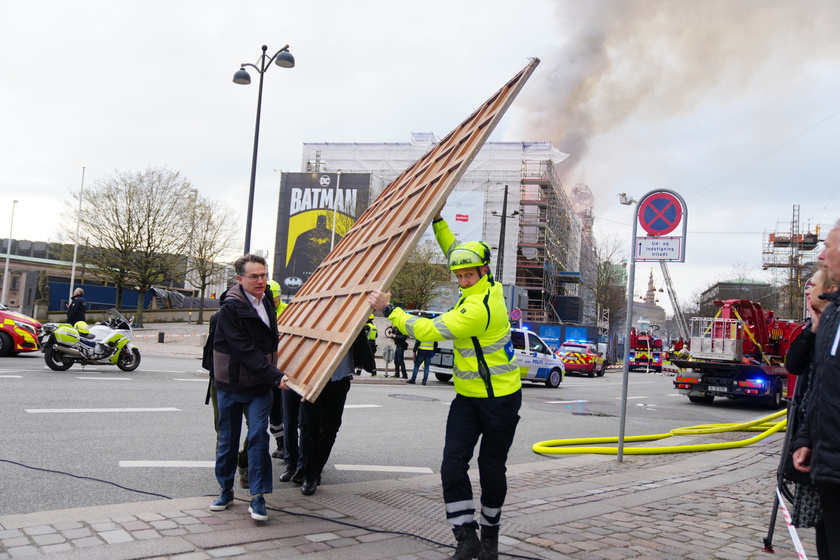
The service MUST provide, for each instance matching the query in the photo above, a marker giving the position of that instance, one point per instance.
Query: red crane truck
(738, 353)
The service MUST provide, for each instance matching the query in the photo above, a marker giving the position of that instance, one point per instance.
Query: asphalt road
(72, 439)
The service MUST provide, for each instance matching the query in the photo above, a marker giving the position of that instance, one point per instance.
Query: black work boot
(278, 453)
(489, 543)
(469, 546)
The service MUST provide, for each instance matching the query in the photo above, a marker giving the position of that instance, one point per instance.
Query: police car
(536, 361)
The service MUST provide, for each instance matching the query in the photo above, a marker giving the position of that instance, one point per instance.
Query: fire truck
(645, 350)
(738, 353)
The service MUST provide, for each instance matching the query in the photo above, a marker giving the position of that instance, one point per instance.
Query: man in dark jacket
(817, 443)
(245, 372)
(76, 307)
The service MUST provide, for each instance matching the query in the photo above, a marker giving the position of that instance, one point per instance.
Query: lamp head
(284, 59)
(242, 77)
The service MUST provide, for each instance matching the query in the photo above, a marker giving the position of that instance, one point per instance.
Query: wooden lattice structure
(319, 325)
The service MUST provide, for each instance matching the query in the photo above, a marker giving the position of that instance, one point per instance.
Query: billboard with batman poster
(314, 212)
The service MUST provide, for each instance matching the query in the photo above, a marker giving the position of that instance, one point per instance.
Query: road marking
(384, 468)
(105, 378)
(65, 410)
(629, 398)
(200, 380)
(566, 402)
(362, 406)
(168, 464)
(11, 376)
(165, 371)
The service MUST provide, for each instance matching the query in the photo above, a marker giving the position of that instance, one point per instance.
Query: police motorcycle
(107, 343)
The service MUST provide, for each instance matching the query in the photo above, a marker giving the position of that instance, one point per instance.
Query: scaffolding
(790, 256)
(548, 254)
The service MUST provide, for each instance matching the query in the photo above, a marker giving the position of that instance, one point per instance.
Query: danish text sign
(658, 249)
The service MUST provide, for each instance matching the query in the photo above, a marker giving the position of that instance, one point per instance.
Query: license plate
(715, 388)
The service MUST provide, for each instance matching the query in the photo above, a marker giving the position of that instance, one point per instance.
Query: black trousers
(494, 420)
(319, 424)
(828, 530)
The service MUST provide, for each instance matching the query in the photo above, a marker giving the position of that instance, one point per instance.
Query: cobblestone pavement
(713, 505)
(696, 506)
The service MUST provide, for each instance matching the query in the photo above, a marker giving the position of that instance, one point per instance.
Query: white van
(536, 361)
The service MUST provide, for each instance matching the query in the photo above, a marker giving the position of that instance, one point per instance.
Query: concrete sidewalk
(713, 505)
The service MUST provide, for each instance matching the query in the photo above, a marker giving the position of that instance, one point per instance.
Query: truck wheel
(5, 344)
(706, 399)
(443, 377)
(57, 361)
(774, 402)
(555, 377)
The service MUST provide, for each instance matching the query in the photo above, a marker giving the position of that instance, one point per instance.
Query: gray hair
(239, 265)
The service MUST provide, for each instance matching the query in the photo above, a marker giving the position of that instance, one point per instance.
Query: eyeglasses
(255, 277)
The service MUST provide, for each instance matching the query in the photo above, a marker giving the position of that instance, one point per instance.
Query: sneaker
(410, 382)
(223, 501)
(257, 509)
(243, 478)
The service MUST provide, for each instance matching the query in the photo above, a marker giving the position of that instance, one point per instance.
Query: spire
(650, 297)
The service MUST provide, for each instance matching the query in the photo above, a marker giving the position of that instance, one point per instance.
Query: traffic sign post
(660, 212)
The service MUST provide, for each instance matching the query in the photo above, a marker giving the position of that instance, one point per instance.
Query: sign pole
(660, 211)
(628, 324)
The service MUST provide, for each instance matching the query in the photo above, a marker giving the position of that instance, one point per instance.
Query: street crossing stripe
(11, 376)
(105, 378)
(63, 410)
(384, 468)
(362, 406)
(168, 464)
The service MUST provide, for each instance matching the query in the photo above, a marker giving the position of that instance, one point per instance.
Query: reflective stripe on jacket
(478, 325)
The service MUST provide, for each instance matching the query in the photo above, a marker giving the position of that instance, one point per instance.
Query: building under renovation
(534, 227)
(790, 255)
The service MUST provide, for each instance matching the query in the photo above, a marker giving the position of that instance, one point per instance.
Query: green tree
(420, 279)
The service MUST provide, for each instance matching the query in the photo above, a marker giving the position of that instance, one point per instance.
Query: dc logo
(325, 180)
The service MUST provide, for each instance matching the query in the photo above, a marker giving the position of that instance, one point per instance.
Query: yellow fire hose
(764, 425)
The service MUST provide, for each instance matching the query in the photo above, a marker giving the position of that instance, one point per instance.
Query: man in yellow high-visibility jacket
(488, 387)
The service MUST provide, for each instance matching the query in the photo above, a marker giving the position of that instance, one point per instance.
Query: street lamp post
(8, 254)
(284, 59)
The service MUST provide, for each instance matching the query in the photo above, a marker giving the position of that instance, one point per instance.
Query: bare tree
(214, 228)
(421, 277)
(607, 287)
(137, 226)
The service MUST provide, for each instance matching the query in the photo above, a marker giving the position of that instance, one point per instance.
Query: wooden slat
(319, 325)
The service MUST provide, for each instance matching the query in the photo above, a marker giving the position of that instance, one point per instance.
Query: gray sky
(732, 103)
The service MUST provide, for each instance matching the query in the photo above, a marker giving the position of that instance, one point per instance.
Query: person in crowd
(424, 351)
(799, 361)
(817, 442)
(275, 419)
(245, 371)
(213, 398)
(76, 307)
(370, 331)
(400, 346)
(320, 420)
(488, 387)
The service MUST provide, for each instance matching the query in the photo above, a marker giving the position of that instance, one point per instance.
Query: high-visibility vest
(478, 325)
(372, 331)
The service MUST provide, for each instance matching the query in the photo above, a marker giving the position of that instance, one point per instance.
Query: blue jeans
(256, 409)
(422, 357)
